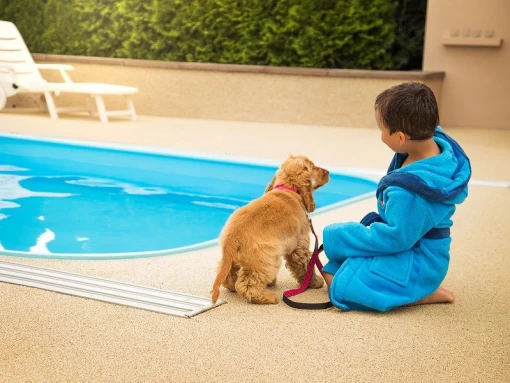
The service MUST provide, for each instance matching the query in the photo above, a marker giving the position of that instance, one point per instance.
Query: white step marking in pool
(146, 298)
(9, 168)
(40, 246)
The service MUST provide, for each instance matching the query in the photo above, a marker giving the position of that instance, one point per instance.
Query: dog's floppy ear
(306, 192)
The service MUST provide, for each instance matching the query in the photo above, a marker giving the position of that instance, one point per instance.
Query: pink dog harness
(314, 260)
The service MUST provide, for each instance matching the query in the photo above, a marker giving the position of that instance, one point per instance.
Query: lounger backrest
(14, 53)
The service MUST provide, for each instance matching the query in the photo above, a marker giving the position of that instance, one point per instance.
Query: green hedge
(300, 33)
(21, 12)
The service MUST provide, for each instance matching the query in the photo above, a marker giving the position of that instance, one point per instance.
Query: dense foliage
(363, 34)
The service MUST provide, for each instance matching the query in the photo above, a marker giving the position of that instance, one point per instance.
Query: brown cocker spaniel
(258, 235)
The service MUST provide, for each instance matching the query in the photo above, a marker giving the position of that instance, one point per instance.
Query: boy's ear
(402, 138)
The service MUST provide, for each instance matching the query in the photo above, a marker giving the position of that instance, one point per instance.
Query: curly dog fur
(257, 236)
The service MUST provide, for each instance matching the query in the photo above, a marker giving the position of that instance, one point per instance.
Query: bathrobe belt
(434, 233)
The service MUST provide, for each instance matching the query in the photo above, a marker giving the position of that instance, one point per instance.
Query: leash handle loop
(314, 261)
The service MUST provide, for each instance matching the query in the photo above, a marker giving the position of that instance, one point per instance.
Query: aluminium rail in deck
(146, 298)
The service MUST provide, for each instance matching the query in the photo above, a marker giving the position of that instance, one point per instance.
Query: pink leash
(314, 261)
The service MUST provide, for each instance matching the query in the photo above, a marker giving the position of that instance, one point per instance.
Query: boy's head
(409, 108)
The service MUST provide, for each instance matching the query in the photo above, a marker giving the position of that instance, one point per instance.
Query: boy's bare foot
(441, 295)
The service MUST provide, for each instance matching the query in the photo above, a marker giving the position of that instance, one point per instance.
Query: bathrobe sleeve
(408, 217)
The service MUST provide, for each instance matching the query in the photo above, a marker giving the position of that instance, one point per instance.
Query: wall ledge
(405, 75)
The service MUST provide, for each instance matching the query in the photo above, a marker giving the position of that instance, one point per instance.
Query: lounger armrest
(62, 68)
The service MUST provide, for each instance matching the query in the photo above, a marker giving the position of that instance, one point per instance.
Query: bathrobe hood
(441, 178)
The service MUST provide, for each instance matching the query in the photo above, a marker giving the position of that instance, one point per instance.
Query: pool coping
(419, 75)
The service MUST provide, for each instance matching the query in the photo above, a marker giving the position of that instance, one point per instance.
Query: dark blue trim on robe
(415, 184)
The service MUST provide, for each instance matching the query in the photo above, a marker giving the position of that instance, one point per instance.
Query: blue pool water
(70, 200)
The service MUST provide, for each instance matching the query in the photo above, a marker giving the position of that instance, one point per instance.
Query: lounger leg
(131, 108)
(52, 109)
(101, 108)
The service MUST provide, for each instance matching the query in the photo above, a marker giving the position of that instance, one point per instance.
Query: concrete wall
(469, 41)
(238, 92)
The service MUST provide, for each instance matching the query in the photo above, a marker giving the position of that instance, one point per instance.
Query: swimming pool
(73, 200)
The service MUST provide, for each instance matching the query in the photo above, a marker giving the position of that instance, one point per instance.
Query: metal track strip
(146, 298)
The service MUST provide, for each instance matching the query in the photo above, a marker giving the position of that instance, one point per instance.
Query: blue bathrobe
(400, 254)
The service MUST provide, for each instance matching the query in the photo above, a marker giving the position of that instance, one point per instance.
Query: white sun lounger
(20, 74)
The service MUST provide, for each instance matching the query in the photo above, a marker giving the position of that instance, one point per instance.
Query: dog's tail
(223, 271)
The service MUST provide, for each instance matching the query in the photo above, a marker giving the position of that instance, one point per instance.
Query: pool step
(146, 298)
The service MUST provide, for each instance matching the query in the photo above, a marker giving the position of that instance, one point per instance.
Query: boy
(400, 256)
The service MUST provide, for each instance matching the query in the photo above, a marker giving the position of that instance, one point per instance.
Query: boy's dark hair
(410, 108)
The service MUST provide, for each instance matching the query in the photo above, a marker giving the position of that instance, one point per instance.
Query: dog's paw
(316, 282)
(264, 299)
